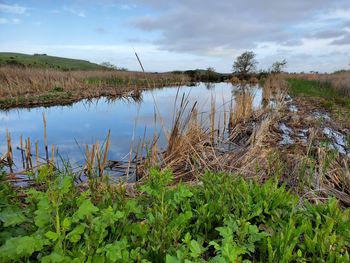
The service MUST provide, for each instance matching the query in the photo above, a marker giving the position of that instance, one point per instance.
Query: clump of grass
(57, 89)
(235, 80)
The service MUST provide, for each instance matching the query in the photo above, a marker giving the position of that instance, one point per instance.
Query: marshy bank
(30, 87)
(257, 132)
(278, 167)
(273, 202)
(131, 122)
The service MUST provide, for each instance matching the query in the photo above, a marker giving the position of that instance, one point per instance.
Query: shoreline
(30, 87)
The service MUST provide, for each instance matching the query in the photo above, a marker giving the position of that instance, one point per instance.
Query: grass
(320, 89)
(222, 218)
(331, 96)
(46, 62)
(23, 87)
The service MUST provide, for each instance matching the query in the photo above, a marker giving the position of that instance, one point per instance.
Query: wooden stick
(53, 153)
(45, 139)
(37, 152)
(22, 153)
(30, 154)
(9, 150)
(105, 153)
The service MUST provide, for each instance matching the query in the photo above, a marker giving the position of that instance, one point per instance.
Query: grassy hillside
(45, 61)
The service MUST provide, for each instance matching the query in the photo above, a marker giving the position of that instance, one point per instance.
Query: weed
(222, 219)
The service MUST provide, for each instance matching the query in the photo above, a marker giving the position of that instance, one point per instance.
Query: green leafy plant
(223, 218)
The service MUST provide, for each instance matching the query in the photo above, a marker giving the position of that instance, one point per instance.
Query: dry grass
(251, 148)
(18, 85)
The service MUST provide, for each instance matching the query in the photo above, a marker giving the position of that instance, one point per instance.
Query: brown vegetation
(30, 86)
(252, 146)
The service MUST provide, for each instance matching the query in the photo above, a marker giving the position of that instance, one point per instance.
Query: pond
(71, 128)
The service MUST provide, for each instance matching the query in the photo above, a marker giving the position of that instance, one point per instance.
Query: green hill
(45, 61)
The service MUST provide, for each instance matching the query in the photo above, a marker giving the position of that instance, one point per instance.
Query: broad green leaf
(20, 247)
(56, 258)
(52, 235)
(171, 259)
(86, 208)
(11, 216)
(75, 235)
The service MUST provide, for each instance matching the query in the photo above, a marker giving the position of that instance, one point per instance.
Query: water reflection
(70, 128)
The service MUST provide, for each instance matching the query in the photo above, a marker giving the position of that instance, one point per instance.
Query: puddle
(338, 140)
(288, 99)
(302, 134)
(293, 108)
(321, 115)
(286, 134)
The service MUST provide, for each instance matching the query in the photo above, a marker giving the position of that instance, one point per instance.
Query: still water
(72, 127)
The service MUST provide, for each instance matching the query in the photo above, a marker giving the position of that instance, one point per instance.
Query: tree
(112, 66)
(108, 65)
(245, 64)
(278, 66)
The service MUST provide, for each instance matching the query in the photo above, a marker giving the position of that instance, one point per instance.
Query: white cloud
(16, 20)
(74, 11)
(9, 21)
(127, 6)
(13, 9)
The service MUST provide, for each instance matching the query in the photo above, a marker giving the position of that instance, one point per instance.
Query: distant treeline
(205, 75)
(210, 75)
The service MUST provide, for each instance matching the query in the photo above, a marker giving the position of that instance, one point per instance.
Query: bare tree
(245, 64)
(278, 66)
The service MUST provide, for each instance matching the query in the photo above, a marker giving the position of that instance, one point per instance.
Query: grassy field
(45, 61)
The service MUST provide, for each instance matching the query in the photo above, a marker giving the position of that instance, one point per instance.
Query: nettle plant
(222, 218)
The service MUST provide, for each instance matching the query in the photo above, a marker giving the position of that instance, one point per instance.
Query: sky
(312, 35)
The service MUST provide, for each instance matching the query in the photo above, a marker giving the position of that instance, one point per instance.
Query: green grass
(222, 219)
(316, 89)
(44, 61)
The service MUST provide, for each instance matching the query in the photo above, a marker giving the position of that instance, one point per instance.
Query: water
(70, 128)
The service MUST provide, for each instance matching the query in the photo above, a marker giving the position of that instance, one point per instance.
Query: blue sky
(169, 35)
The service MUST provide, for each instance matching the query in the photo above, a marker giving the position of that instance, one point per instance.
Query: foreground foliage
(221, 219)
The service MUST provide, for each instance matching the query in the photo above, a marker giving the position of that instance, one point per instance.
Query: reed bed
(252, 149)
(248, 144)
(21, 86)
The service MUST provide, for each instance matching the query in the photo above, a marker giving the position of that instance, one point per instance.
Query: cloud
(127, 6)
(199, 27)
(332, 33)
(9, 21)
(345, 40)
(12, 9)
(74, 11)
(292, 42)
(100, 30)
